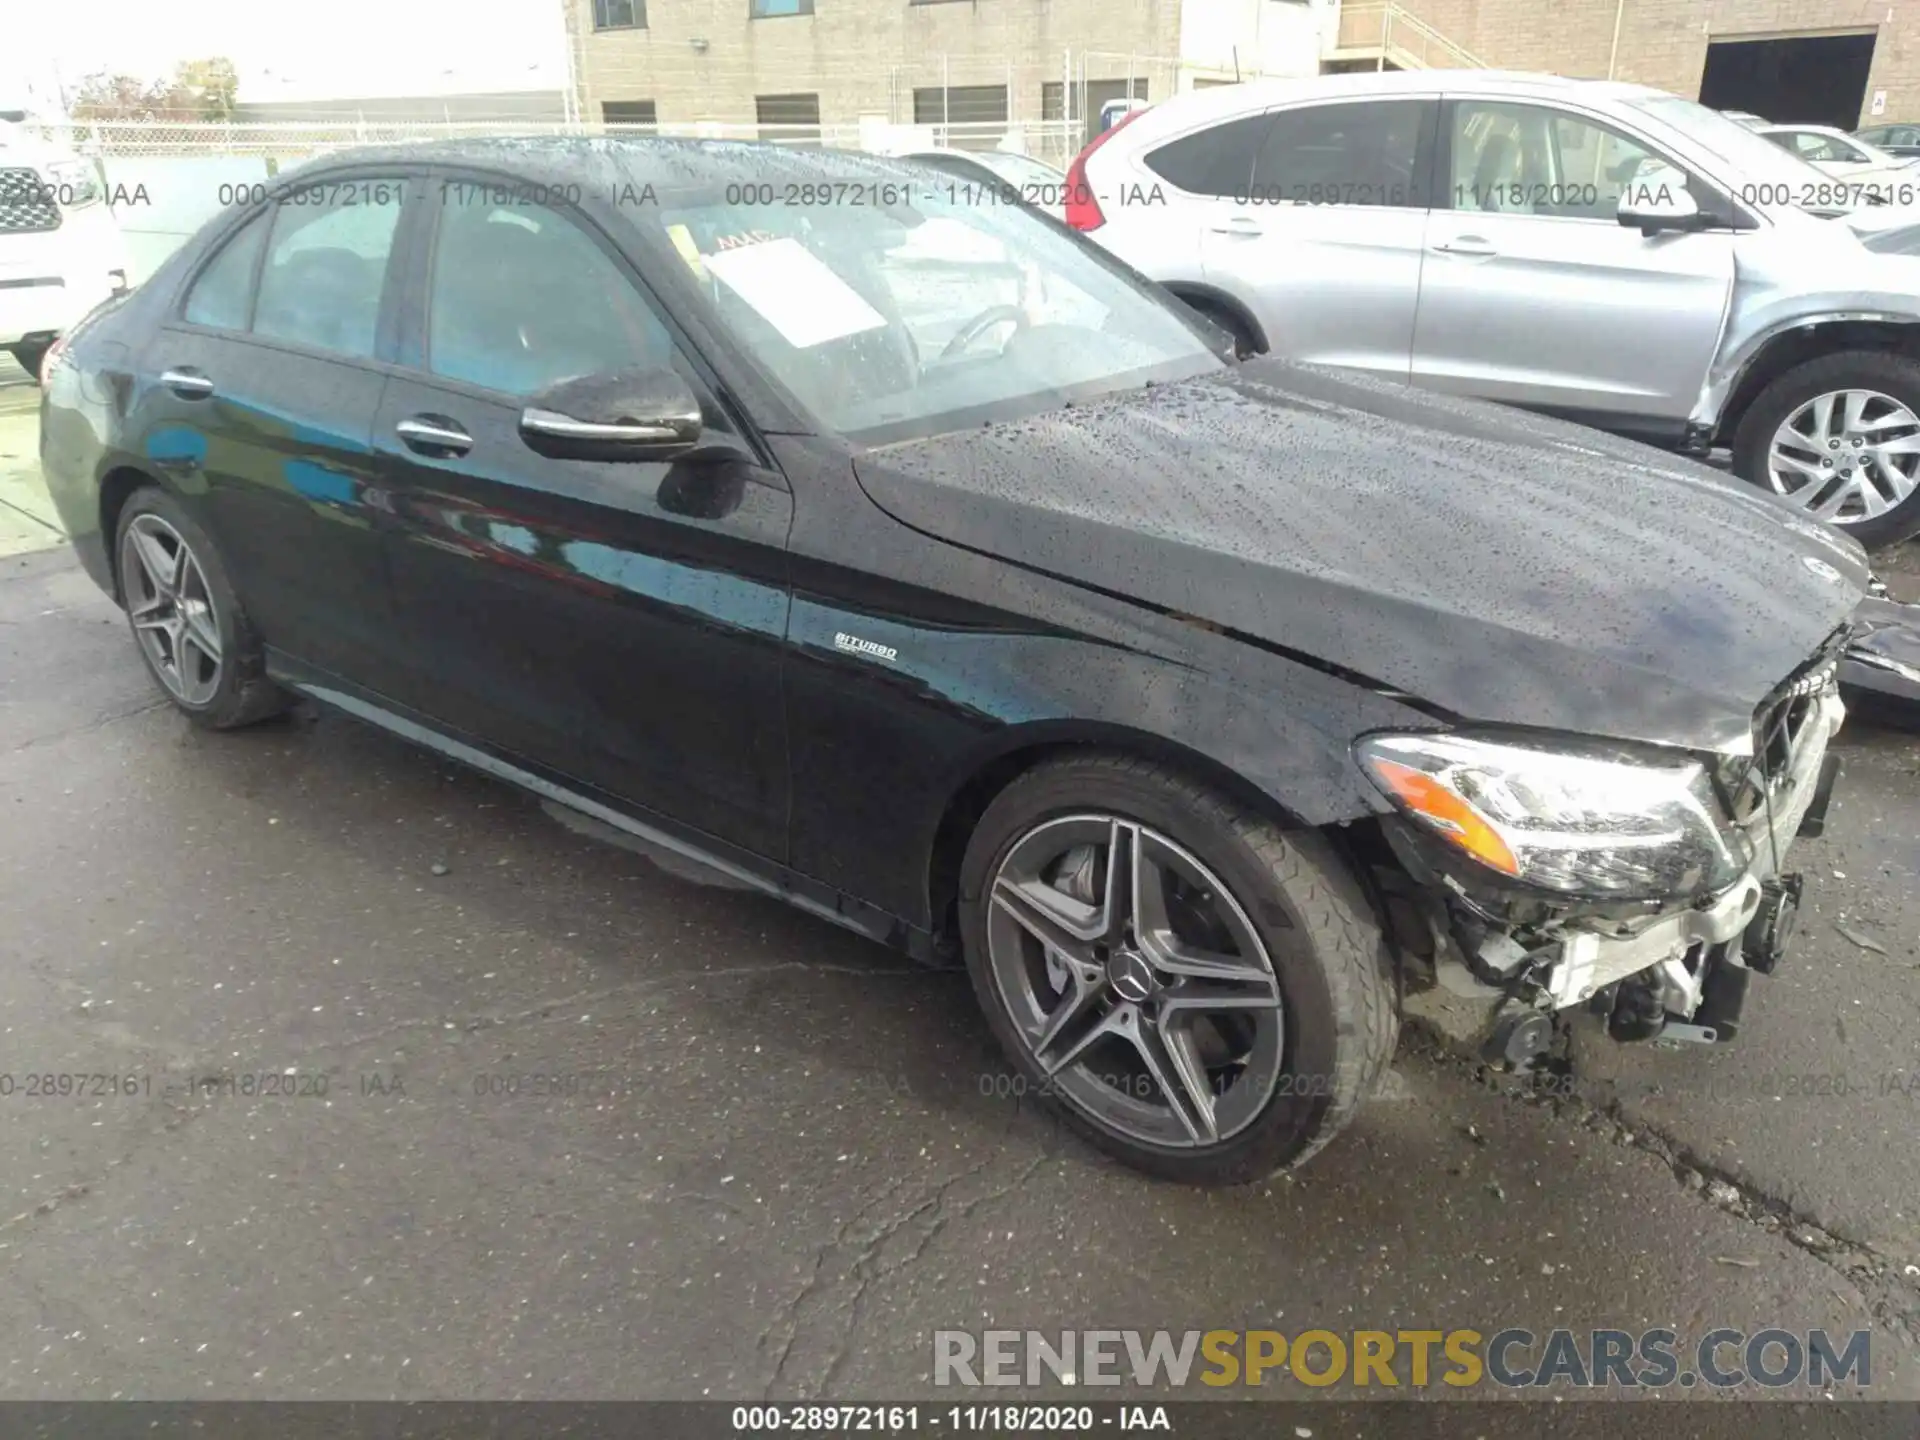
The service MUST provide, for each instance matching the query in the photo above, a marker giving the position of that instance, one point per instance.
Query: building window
(768, 9)
(791, 119)
(629, 112)
(960, 105)
(1055, 98)
(619, 14)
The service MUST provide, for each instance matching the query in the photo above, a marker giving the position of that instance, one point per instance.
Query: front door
(619, 624)
(1535, 294)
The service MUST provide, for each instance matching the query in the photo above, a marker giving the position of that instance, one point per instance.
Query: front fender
(1759, 317)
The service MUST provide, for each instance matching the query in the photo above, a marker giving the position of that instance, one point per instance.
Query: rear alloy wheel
(186, 620)
(171, 610)
(1202, 995)
(1839, 439)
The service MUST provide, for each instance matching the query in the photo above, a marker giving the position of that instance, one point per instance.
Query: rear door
(1158, 214)
(262, 392)
(1321, 236)
(618, 624)
(1535, 294)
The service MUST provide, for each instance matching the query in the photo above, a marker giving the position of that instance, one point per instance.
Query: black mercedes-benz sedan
(831, 527)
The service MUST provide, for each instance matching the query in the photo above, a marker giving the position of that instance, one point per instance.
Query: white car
(1599, 251)
(1845, 157)
(61, 252)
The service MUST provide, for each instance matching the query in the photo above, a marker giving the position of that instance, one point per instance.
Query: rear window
(224, 291)
(1358, 153)
(1215, 161)
(323, 276)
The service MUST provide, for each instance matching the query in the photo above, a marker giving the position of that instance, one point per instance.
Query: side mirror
(625, 415)
(1656, 198)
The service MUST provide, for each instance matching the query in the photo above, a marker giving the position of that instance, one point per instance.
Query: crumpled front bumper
(1676, 954)
(1884, 655)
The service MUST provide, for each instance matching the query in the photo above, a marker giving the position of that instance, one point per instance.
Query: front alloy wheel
(1136, 980)
(1838, 438)
(1196, 990)
(1847, 456)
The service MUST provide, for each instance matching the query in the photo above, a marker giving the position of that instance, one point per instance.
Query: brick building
(1789, 60)
(982, 64)
(921, 62)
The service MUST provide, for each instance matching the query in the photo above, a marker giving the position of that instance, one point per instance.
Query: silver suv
(1600, 251)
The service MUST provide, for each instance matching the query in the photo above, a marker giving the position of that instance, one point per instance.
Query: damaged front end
(1883, 657)
(1532, 874)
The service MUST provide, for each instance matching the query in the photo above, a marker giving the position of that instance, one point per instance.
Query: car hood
(1495, 566)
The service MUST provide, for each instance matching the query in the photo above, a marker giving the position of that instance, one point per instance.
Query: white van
(60, 249)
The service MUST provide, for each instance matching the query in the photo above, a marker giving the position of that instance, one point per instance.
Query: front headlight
(1574, 823)
(73, 183)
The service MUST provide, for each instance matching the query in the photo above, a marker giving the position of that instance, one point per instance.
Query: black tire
(1335, 974)
(244, 694)
(1890, 374)
(30, 355)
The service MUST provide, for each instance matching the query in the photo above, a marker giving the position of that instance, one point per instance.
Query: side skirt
(727, 864)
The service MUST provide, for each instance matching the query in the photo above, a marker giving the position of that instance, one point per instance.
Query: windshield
(1863, 150)
(904, 307)
(1761, 173)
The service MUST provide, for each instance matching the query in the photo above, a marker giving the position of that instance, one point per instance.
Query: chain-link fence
(165, 179)
(288, 142)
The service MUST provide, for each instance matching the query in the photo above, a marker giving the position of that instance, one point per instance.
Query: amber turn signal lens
(1446, 812)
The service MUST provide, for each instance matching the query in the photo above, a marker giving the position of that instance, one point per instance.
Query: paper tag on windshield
(797, 294)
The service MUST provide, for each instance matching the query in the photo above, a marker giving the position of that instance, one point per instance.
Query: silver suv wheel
(1846, 456)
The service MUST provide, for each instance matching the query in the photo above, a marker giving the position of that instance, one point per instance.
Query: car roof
(669, 166)
(1219, 102)
(1809, 129)
(935, 152)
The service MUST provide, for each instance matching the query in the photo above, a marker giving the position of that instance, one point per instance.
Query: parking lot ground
(27, 520)
(778, 1158)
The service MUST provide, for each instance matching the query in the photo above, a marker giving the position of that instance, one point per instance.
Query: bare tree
(197, 90)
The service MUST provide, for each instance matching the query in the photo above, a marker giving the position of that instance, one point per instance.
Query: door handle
(433, 435)
(1242, 225)
(1468, 245)
(187, 383)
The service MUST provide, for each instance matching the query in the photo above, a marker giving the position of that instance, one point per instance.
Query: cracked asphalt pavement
(777, 1159)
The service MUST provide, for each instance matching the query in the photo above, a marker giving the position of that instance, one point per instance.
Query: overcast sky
(284, 51)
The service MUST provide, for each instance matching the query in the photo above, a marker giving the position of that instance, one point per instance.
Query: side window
(1367, 153)
(327, 264)
(1215, 161)
(1811, 145)
(1529, 160)
(223, 293)
(522, 298)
